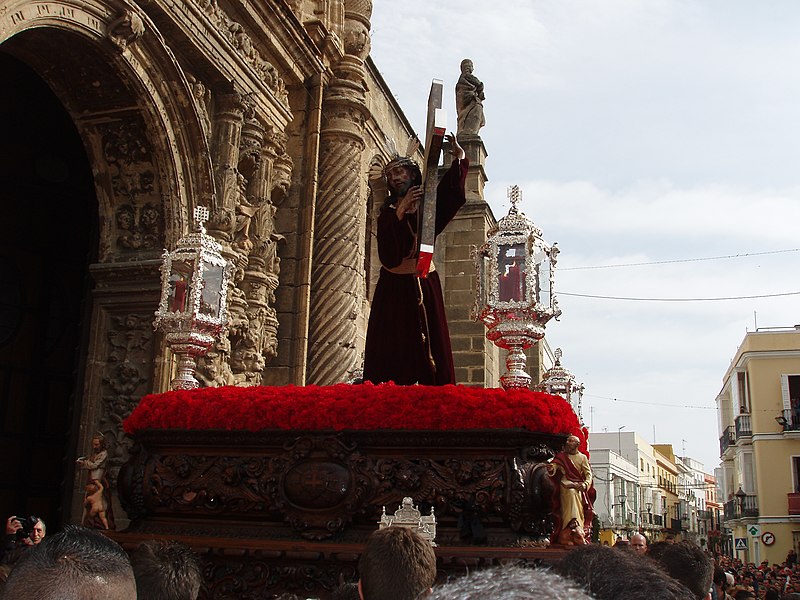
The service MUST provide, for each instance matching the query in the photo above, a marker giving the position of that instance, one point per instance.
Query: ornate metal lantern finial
(561, 382)
(194, 288)
(200, 217)
(514, 196)
(515, 299)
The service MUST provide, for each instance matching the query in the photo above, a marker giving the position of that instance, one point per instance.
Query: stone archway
(147, 147)
(50, 236)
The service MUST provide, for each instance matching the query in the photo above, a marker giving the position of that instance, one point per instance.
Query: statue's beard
(402, 189)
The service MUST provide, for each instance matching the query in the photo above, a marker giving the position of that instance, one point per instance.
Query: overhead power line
(650, 403)
(678, 260)
(633, 299)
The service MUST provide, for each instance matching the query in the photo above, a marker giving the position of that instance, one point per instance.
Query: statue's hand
(456, 149)
(408, 204)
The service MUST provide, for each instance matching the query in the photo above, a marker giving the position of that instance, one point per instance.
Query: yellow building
(668, 484)
(759, 421)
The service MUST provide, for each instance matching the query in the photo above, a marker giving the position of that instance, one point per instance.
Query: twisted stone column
(337, 274)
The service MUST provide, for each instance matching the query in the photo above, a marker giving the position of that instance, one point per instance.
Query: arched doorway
(50, 237)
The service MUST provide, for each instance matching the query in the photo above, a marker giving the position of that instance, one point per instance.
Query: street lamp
(515, 297)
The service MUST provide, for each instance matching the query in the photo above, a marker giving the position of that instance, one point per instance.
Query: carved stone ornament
(125, 29)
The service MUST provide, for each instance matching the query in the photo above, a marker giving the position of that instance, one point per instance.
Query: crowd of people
(397, 563)
(79, 563)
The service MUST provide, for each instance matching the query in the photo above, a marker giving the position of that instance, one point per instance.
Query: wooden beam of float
(434, 136)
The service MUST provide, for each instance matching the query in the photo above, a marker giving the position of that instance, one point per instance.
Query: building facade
(122, 117)
(759, 427)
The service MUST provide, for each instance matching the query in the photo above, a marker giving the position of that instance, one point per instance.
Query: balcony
(794, 503)
(790, 419)
(704, 515)
(658, 520)
(726, 440)
(746, 507)
(743, 427)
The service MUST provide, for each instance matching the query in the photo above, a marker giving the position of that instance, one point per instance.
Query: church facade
(121, 117)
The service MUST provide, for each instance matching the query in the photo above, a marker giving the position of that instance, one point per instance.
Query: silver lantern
(194, 289)
(515, 297)
(560, 381)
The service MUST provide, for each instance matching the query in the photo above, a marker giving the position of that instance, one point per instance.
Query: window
(744, 395)
(796, 473)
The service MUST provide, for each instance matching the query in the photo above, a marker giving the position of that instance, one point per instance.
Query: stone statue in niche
(202, 100)
(469, 101)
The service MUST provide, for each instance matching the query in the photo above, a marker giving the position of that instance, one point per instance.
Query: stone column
(337, 273)
(477, 361)
(227, 137)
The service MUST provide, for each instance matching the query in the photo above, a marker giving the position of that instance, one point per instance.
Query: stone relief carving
(126, 29)
(202, 99)
(252, 169)
(234, 32)
(138, 223)
(126, 373)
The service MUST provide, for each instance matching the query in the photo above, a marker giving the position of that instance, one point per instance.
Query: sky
(639, 131)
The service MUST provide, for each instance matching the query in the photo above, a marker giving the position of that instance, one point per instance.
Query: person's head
(38, 531)
(166, 570)
(401, 174)
(744, 595)
(466, 66)
(98, 442)
(609, 574)
(687, 563)
(397, 564)
(509, 583)
(572, 444)
(74, 564)
(669, 539)
(720, 580)
(638, 543)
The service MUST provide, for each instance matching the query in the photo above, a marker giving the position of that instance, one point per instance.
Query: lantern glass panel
(180, 282)
(511, 273)
(210, 296)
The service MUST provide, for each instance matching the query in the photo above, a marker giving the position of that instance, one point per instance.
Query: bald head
(638, 543)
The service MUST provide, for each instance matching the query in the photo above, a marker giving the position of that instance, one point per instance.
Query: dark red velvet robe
(395, 350)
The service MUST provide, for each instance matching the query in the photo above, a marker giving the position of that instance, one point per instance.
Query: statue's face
(399, 179)
(572, 444)
(467, 67)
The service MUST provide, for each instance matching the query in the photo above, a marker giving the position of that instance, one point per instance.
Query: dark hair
(687, 563)
(509, 583)
(397, 564)
(74, 564)
(166, 570)
(719, 577)
(609, 574)
(744, 595)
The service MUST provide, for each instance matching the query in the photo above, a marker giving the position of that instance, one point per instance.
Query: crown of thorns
(397, 160)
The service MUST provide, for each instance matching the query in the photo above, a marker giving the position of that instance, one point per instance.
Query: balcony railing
(743, 427)
(794, 503)
(746, 507)
(704, 515)
(791, 419)
(726, 439)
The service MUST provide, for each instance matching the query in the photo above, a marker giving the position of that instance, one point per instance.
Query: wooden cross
(434, 136)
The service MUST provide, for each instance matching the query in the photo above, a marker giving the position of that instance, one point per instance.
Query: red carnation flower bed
(354, 407)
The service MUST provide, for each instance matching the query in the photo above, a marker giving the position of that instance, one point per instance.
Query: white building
(646, 500)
